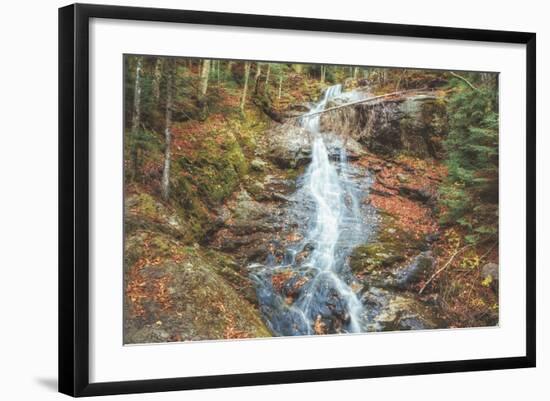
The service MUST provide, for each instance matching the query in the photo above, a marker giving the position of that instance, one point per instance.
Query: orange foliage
(279, 279)
(411, 216)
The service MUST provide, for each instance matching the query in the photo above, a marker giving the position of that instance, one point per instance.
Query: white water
(326, 188)
(327, 210)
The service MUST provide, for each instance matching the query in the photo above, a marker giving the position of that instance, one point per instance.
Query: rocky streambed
(268, 228)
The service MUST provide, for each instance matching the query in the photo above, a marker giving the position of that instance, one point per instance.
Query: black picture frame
(74, 198)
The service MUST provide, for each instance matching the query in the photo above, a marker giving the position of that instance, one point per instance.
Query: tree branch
(438, 271)
(454, 74)
(370, 99)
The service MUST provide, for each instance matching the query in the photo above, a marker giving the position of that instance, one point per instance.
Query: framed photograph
(250, 199)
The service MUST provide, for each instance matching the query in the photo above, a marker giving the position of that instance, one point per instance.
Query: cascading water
(319, 293)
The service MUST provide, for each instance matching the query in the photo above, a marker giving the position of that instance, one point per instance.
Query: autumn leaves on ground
(213, 154)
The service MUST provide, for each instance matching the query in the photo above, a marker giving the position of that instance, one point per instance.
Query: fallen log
(370, 99)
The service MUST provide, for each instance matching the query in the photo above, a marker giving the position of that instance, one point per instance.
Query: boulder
(416, 269)
(387, 311)
(177, 292)
(490, 275)
(188, 301)
(289, 146)
(415, 123)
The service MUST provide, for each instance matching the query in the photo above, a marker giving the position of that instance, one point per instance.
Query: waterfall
(325, 301)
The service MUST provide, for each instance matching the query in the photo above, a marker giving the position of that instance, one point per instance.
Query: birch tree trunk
(266, 87)
(280, 85)
(323, 72)
(167, 133)
(136, 116)
(257, 76)
(205, 73)
(229, 69)
(156, 79)
(245, 86)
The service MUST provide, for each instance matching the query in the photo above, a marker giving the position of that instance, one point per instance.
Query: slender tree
(167, 133)
(323, 73)
(205, 73)
(157, 73)
(281, 77)
(266, 87)
(257, 76)
(245, 86)
(229, 68)
(136, 115)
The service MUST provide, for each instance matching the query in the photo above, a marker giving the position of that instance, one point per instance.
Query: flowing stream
(318, 293)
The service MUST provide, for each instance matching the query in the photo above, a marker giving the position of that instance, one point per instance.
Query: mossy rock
(186, 293)
(196, 304)
(375, 255)
(144, 212)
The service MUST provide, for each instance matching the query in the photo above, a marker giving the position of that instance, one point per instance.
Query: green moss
(375, 255)
(392, 247)
(146, 205)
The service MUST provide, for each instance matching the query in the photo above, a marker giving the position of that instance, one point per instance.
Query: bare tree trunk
(137, 97)
(257, 76)
(167, 133)
(218, 72)
(323, 73)
(205, 73)
(355, 72)
(280, 85)
(245, 86)
(229, 67)
(266, 87)
(156, 79)
(136, 116)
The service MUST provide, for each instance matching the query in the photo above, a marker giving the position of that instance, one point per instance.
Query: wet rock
(280, 197)
(289, 146)
(416, 123)
(386, 311)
